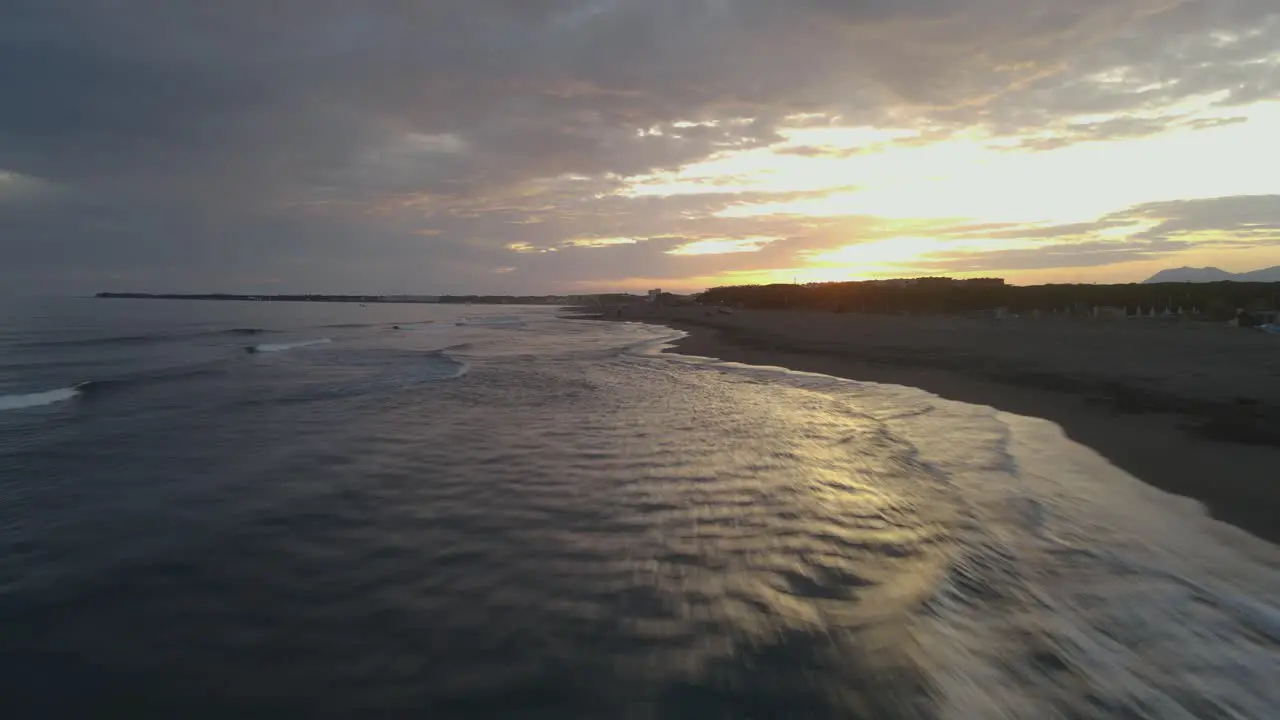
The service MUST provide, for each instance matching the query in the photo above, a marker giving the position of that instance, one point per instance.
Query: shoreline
(1170, 446)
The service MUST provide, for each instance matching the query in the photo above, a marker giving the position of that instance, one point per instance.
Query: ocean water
(217, 509)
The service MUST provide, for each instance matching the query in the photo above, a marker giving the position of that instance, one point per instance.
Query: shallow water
(429, 512)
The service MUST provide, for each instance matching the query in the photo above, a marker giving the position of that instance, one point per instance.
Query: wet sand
(1191, 408)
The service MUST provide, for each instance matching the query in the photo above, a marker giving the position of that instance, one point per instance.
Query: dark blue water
(491, 512)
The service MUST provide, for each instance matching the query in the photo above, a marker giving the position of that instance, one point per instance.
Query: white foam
(461, 369)
(1070, 588)
(49, 397)
(446, 367)
(281, 347)
(1096, 592)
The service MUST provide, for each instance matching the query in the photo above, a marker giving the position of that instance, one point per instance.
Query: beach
(1190, 408)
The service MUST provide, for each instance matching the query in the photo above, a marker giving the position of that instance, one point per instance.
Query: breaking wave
(97, 388)
(613, 533)
(1062, 587)
(93, 389)
(444, 367)
(281, 347)
(31, 400)
(141, 339)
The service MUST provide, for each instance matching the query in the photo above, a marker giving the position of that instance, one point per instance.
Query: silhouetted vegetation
(539, 299)
(1217, 300)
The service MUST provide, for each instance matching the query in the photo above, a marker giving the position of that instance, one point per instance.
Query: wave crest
(31, 400)
(144, 339)
(281, 347)
(446, 367)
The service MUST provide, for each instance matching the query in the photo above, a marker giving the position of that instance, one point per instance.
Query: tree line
(1218, 300)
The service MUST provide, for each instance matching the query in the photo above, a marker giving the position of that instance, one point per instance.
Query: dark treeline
(535, 299)
(946, 296)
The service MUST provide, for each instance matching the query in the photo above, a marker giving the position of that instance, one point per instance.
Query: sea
(267, 509)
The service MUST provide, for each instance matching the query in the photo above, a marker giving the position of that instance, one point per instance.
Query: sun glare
(892, 251)
(971, 177)
(893, 176)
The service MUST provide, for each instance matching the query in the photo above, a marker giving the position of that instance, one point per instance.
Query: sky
(561, 146)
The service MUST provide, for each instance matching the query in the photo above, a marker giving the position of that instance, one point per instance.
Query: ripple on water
(581, 533)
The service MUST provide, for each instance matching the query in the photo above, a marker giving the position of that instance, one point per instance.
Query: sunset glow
(821, 143)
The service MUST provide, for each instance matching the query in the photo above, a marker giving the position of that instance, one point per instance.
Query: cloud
(721, 246)
(1154, 230)
(1119, 128)
(1198, 53)
(16, 188)
(1256, 216)
(1249, 214)
(330, 145)
(600, 242)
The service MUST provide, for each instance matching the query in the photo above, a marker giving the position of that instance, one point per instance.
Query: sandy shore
(1190, 408)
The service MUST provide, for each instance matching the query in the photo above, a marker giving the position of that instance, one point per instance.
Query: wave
(97, 342)
(491, 321)
(440, 366)
(31, 400)
(142, 339)
(368, 374)
(244, 331)
(446, 367)
(93, 389)
(1078, 572)
(411, 325)
(281, 347)
(1065, 586)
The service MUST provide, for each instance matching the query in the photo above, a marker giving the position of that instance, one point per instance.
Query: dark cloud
(1072, 255)
(1236, 215)
(1241, 216)
(1242, 222)
(309, 142)
(824, 152)
(1194, 49)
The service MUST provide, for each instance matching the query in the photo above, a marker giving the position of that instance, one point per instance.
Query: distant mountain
(1271, 274)
(1213, 274)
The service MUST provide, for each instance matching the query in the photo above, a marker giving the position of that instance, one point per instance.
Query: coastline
(1172, 439)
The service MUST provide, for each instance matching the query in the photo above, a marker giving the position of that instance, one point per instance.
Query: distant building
(934, 282)
(654, 295)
